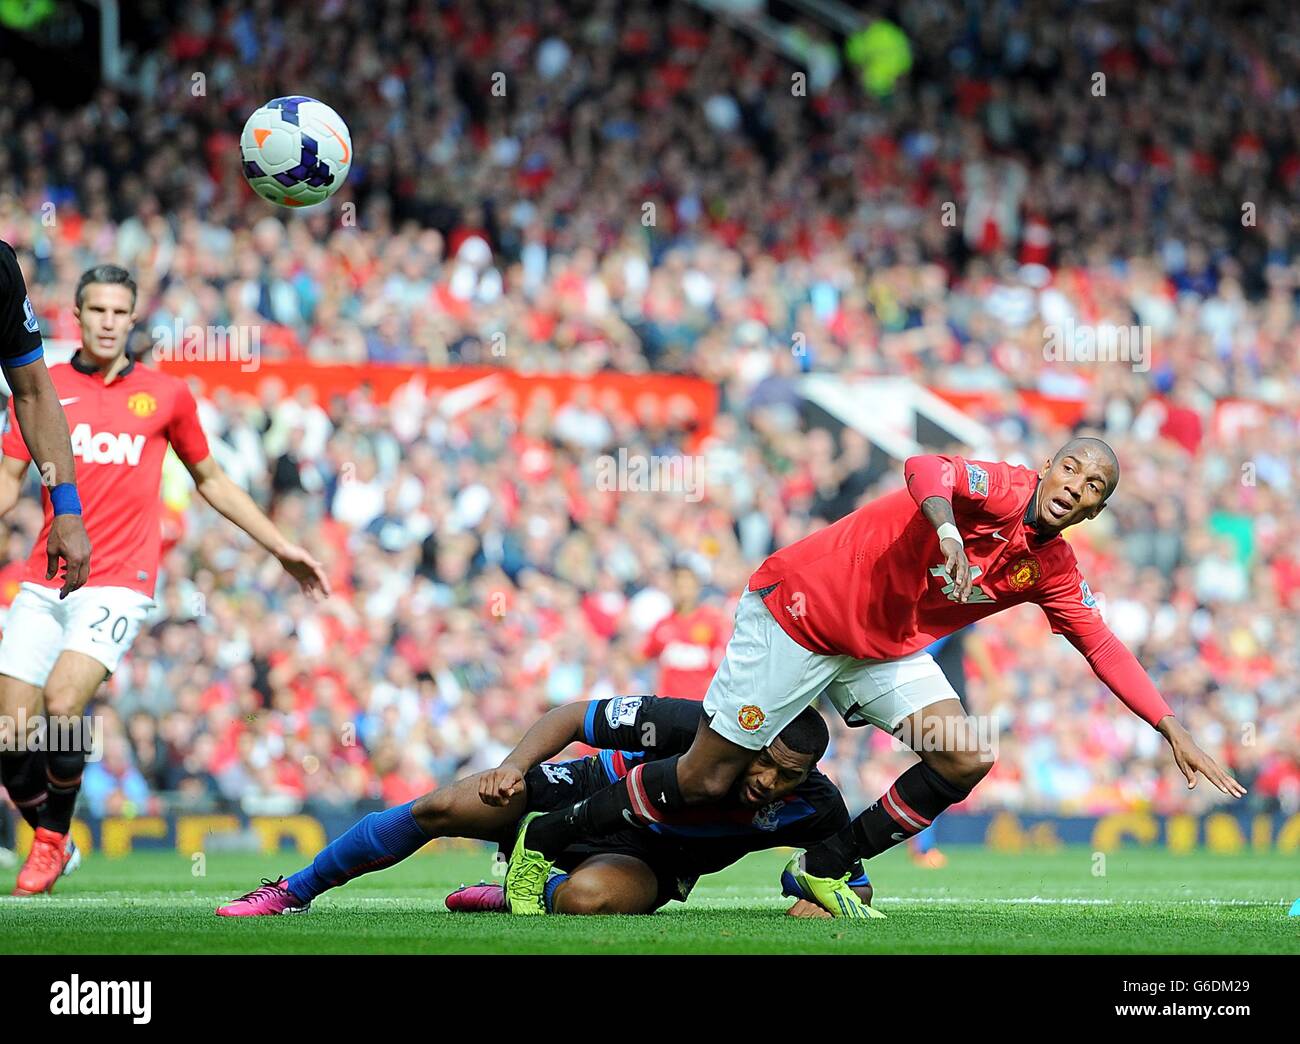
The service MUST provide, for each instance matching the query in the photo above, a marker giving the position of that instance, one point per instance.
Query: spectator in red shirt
(688, 642)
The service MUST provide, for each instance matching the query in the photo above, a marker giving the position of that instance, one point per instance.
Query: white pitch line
(703, 902)
(1038, 900)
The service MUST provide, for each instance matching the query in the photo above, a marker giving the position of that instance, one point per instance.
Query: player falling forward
(57, 650)
(779, 798)
(847, 611)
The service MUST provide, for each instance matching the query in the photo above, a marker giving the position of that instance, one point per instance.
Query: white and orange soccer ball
(297, 151)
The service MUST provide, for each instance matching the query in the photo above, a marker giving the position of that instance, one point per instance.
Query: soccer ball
(296, 151)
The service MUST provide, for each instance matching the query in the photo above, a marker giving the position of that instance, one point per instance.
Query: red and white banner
(651, 398)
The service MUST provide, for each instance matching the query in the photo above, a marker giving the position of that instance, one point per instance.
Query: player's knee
(432, 811)
(578, 900)
(705, 783)
(579, 895)
(62, 701)
(962, 768)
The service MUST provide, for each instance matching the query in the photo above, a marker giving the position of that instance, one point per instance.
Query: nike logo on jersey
(977, 593)
(69, 402)
(899, 837)
(997, 535)
(630, 817)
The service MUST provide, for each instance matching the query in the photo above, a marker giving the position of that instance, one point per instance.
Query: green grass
(1149, 901)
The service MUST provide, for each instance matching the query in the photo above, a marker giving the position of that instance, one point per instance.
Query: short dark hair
(113, 274)
(807, 734)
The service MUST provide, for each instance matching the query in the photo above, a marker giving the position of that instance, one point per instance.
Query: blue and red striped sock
(377, 841)
(901, 812)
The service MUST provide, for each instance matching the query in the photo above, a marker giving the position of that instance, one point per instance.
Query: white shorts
(100, 622)
(766, 679)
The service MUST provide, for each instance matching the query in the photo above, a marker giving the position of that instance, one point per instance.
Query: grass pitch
(1148, 901)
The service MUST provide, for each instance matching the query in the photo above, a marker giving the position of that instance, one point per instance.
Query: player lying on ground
(778, 799)
(848, 611)
(57, 651)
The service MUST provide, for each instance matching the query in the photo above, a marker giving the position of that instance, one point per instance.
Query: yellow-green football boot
(832, 894)
(526, 875)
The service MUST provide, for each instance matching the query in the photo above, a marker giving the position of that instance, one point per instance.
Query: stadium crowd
(648, 193)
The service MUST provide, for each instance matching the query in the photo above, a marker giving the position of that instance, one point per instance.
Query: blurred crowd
(594, 186)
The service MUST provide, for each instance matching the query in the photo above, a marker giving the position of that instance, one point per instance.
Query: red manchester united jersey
(873, 585)
(689, 648)
(120, 432)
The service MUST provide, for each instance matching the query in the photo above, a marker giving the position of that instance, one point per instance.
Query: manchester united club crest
(1024, 574)
(751, 718)
(142, 404)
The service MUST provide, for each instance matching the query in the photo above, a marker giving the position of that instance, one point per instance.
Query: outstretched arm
(1073, 611)
(221, 491)
(1124, 676)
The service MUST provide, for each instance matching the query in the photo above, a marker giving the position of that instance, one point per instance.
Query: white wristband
(948, 531)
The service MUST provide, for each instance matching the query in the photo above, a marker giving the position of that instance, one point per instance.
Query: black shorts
(559, 784)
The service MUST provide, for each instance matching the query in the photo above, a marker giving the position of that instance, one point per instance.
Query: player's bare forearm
(938, 512)
(550, 734)
(235, 504)
(217, 488)
(42, 423)
(44, 429)
(554, 731)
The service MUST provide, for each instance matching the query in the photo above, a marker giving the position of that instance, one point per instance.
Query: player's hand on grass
(68, 541)
(954, 560)
(309, 573)
(497, 786)
(804, 908)
(1191, 759)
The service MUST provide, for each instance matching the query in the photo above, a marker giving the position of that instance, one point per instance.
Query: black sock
(63, 770)
(646, 793)
(906, 808)
(23, 775)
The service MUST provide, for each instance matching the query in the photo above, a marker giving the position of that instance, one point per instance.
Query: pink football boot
(271, 898)
(479, 898)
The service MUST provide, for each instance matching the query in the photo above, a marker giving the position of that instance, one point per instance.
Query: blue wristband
(65, 500)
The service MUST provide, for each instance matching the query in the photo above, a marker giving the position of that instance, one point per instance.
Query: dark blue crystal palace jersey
(707, 838)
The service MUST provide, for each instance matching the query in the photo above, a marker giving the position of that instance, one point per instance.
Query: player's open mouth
(1058, 507)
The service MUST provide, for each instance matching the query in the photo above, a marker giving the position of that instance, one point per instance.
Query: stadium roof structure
(896, 414)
